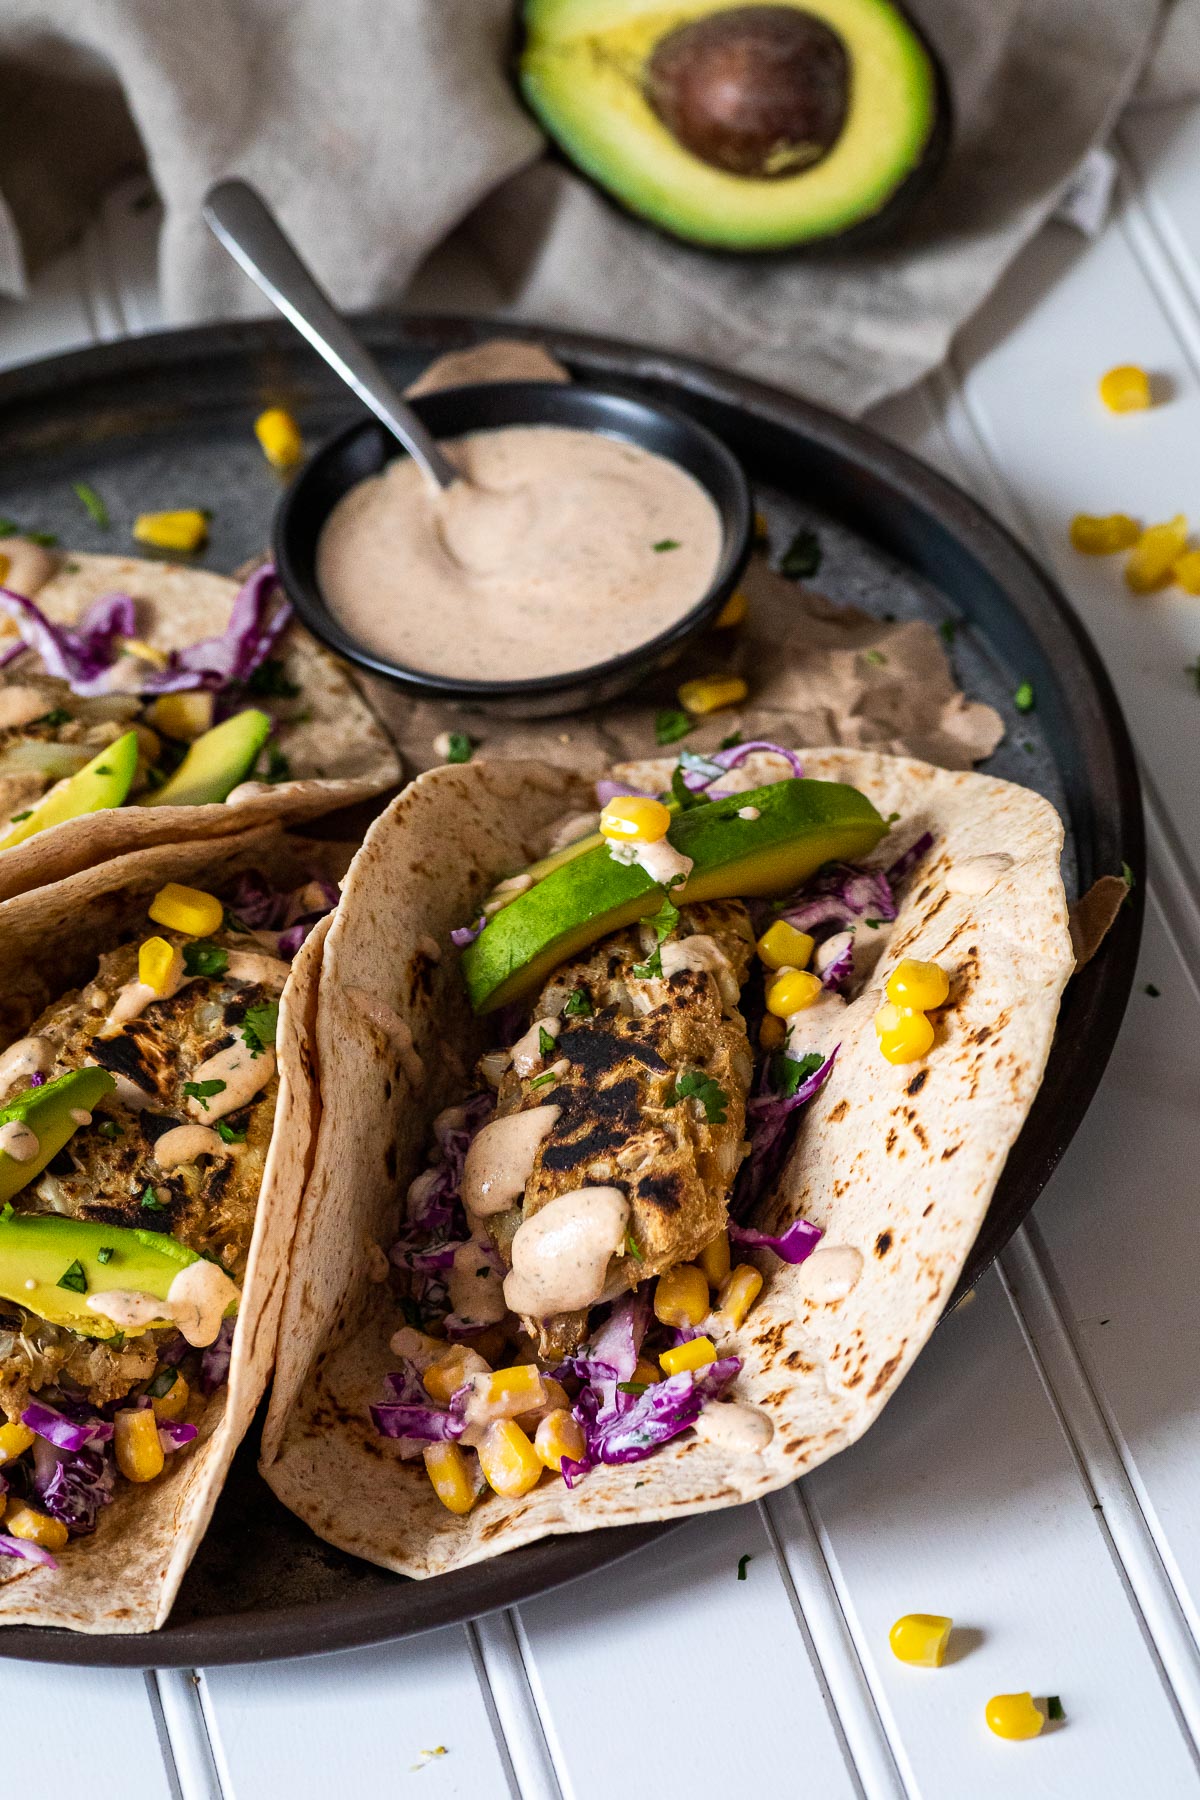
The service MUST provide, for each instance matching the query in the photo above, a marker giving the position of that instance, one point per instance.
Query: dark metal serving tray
(165, 421)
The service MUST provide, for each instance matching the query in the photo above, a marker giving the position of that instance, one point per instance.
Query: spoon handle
(249, 230)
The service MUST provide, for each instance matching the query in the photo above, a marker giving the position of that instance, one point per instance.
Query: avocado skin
(876, 225)
(47, 1112)
(215, 763)
(801, 825)
(42, 1246)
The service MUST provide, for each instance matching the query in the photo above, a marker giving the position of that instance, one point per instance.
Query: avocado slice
(755, 127)
(44, 1248)
(102, 783)
(47, 1112)
(216, 762)
(800, 825)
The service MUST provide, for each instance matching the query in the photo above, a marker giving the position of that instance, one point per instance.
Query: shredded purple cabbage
(214, 1363)
(37, 1079)
(25, 1551)
(424, 1424)
(261, 907)
(462, 935)
(836, 975)
(72, 1485)
(791, 1246)
(631, 1427)
(174, 1434)
(771, 1118)
(700, 772)
(66, 1434)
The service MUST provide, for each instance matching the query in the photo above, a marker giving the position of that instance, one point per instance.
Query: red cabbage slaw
(261, 907)
(700, 773)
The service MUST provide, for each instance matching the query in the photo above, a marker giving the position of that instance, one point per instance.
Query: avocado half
(758, 127)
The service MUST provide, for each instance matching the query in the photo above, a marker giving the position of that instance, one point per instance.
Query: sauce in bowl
(561, 549)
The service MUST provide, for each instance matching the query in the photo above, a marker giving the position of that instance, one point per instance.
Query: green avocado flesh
(95, 1259)
(47, 1112)
(744, 127)
(215, 763)
(102, 783)
(800, 825)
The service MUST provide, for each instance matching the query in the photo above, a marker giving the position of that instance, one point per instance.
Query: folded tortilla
(337, 750)
(125, 1575)
(895, 1164)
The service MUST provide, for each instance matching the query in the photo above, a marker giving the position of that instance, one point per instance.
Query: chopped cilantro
(278, 766)
(47, 539)
(540, 1081)
(696, 1085)
(229, 1134)
(260, 1025)
(875, 656)
(162, 1383)
(1054, 1708)
(110, 1129)
(104, 1254)
(651, 969)
(891, 818)
(8, 528)
(74, 1278)
(872, 924)
(632, 1387)
(58, 715)
(948, 630)
(682, 793)
(1128, 876)
(18, 818)
(742, 1561)
(666, 544)
(670, 725)
(205, 958)
(458, 747)
(579, 1005)
(272, 681)
(150, 1201)
(1154, 993)
(802, 556)
(1023, 698)
(92, 504)
(203, 1091)
(546, 1043)
(787, 1073)
(631, 1248)
(730, 742)
(664, 922)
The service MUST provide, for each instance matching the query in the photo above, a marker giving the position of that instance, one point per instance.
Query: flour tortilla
(897, 1163)
(338, 751)
(125, 1576)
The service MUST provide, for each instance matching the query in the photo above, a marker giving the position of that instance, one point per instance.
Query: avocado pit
(758, 91)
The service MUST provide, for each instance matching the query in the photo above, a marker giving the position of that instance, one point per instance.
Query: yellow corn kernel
(554, 1399)
(635, 819)
(1187, 572)
(511, 1391)
(184, 531)
(5, 566)
(1014, 1716)
(714, 1259)
(559, 1435)
(734, 611)
(35, 1527)
(171, 1405)
(509, 1461)
(138, 1451)
(781, 946)
(1102, 534)
(791, 991)
(445, 1376)
(159, 964)
(697, 1353)
(772, 1032)
(446, 1467)
(1155, 555)
(737, 1295)
(711, 693)
(645, 1372)
(1125, 388)
(15, 1439)
(904, 1036)
(184, 717)
(920, 986)
(145, 652)
(920, 1639)
(279, 435)
(187, 909)
(681, 1295)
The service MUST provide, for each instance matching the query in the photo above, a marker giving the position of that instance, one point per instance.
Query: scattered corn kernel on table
(1037, 1478)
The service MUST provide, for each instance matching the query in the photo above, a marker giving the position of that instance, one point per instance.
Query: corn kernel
(1155, 555)
(554, 1399)
(734, 611)
(920, 986)
(559, 1435)
(159, 965)
(15, 1439)
(1187, 572)
(737, 1295)
(681, 1295)
(791, 991)
(714, 1259)
(511, 1391)
(903, 1036)
(279, 435)
(184, 717)
(920, 1639)
(5, 566)
(184, 531)
(444, 1377)
(35, 1527)
(138, 1451)
(187, 909)
(711, 693)
(772, 1032)
(781, 946)
(171, 1405)
(509, 1461)
(697, 1353)
(1101, 535)
(635, 819)
(446, 1467)
(645, 1372)
(145, 652)
(1014, 1716)
(1125, 388)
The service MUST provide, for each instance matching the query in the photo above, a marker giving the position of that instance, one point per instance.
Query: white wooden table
(1038, 1475)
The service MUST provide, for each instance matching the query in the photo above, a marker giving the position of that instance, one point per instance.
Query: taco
(157, 1108)
(142, 702)
(643, 1149)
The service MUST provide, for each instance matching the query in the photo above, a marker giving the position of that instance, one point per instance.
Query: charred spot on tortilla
(883, 1243)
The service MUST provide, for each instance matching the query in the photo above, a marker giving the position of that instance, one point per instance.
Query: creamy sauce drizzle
(526, 1052)
(184, 1143)
(978, 873)
(267, 971)
(196, 1302)
(243, 1076)
(28, 1056)
(501, 1158)
(476, 1285)
(742, 1429)
(703, 953)
(133, 999)
(830, 1273)
(541, 562)
(560, 1256)
(18, 1141)
(386, 1019)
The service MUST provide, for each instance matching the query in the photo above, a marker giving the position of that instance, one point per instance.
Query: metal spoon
(239, 216)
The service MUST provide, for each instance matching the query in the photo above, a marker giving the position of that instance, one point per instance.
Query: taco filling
(136, 1116)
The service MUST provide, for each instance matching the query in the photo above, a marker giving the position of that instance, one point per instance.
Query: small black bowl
(452, 412)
